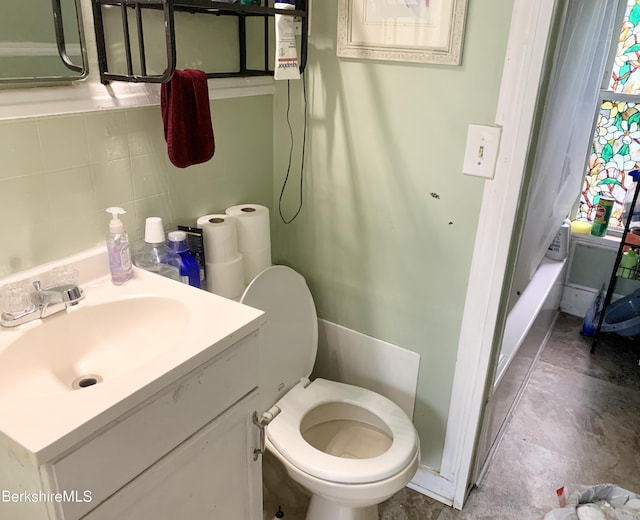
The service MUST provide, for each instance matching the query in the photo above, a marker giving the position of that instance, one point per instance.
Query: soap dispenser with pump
(118, 248)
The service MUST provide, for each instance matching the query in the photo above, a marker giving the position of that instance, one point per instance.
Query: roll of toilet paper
(225, 278)
(220, 238)
(253, 228)
(255, 262)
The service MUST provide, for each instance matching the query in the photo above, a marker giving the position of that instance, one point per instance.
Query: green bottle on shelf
(628, 265)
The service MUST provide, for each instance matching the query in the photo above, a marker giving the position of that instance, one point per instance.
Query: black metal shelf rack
(624, 243)
(241, 11)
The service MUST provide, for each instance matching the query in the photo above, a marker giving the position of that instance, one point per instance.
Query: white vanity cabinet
(211, 475)
(185, 452)
(136, 403)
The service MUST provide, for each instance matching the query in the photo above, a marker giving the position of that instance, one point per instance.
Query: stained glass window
(625, 76)
(616, 146)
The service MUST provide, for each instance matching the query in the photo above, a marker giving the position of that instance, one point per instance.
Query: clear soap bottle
(118, 248)
(155, 256)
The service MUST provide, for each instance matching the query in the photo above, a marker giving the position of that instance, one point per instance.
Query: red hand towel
(184, 101)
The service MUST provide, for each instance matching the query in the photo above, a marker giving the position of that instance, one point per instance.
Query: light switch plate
(481, 153)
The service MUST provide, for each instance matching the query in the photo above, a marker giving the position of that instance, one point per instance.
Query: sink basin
(64, 377)
(86, 344)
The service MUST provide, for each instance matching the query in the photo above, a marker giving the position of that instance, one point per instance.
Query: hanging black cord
(304, 146)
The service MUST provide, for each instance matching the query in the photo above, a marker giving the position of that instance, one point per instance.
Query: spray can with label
(603, 212)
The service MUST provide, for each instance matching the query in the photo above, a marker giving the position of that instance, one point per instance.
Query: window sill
(91, 95)
(608, 242)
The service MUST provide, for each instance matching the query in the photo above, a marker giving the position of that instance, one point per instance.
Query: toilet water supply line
(262, 422)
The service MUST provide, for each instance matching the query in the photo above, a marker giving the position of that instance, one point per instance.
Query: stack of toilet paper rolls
(224, 269)
(237, 247)
(254, 237)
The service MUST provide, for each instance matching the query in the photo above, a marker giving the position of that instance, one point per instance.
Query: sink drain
(85, 381)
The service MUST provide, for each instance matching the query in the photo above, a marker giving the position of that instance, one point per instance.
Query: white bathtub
(527, 329)
(533, 313)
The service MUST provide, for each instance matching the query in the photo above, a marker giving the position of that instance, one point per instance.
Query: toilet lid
(289, 338)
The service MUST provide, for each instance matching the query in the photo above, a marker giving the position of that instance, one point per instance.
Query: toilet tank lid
(289, 338)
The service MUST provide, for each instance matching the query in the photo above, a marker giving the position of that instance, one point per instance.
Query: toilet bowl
(349, 447)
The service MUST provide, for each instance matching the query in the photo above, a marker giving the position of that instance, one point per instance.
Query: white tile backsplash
(63, 142)
(107, 136)
(59, 173)
(19, 149)
(113, 183)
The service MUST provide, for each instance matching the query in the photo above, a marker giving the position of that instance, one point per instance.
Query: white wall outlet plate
(481, 153)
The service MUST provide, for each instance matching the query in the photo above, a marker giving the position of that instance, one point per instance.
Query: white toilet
(351, 448)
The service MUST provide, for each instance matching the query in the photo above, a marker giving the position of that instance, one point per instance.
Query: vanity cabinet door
(212, 475)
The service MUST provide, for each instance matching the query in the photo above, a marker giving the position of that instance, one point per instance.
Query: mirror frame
(83, 69)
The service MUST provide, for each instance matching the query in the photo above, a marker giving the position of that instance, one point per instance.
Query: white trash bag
(600, 502)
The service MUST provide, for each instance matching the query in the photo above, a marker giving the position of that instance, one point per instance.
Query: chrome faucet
(44, 303)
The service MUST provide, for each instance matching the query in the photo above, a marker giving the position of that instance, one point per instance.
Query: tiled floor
(578, 423)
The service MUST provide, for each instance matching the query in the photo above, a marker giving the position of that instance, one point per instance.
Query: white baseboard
(576, 299)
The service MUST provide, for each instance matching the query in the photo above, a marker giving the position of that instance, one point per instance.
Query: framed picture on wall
(422, 31)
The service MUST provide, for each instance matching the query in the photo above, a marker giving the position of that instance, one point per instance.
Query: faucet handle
(16, 298)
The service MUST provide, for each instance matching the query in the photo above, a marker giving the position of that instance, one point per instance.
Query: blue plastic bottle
(187, 264)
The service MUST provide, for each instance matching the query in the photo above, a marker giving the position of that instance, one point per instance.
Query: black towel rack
(241, 11)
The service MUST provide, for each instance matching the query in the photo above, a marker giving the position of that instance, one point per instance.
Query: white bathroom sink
(91, 344)
(67, 375)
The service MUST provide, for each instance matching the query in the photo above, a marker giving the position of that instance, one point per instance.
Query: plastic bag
(608, 500)
(589, 323)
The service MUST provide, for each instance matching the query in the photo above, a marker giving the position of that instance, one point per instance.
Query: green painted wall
(389, 220)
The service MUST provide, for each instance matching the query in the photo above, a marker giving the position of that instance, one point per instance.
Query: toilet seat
(288, 345)
(285, 434)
